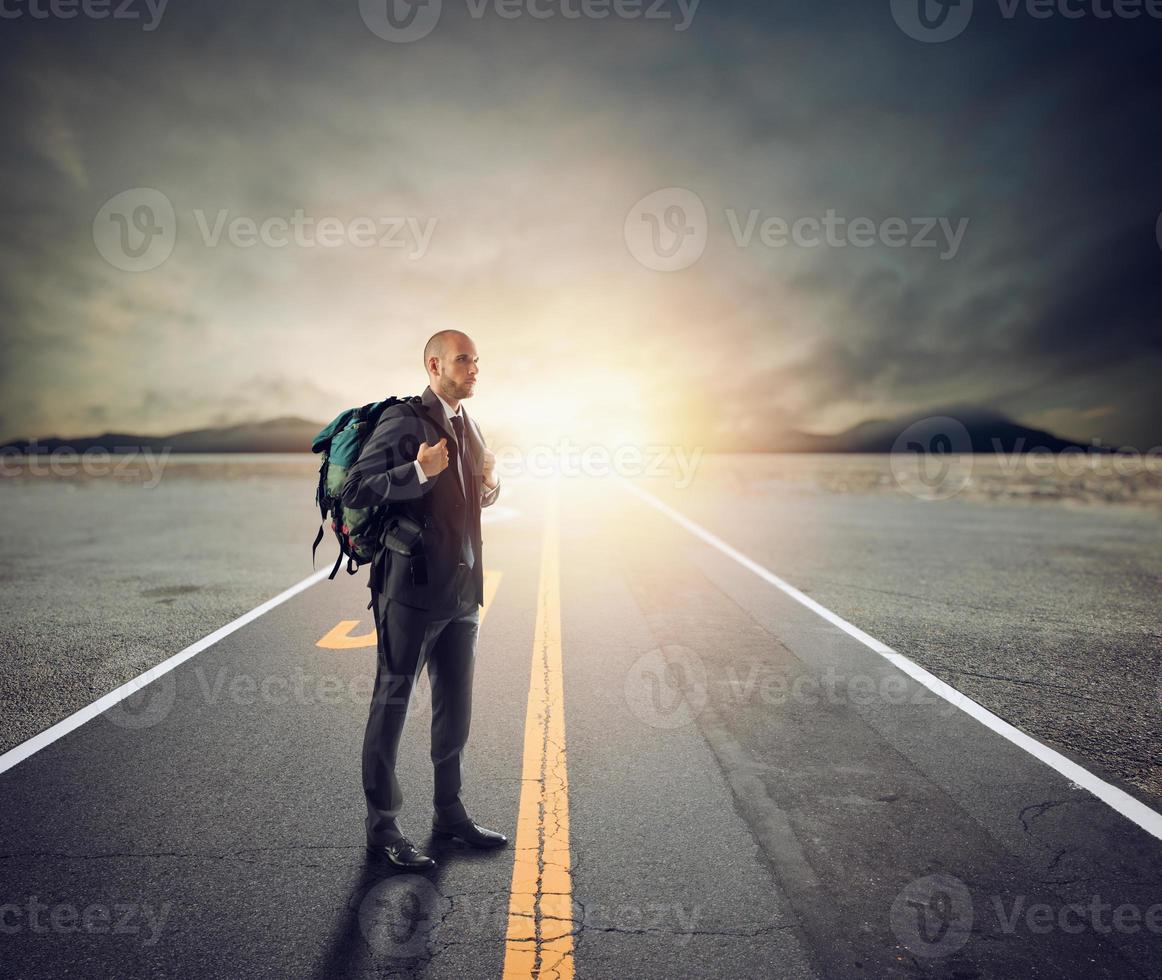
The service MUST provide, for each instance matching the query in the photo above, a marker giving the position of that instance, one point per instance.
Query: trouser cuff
(453, 813)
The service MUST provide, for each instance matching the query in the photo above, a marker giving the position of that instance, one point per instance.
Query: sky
(711, 224)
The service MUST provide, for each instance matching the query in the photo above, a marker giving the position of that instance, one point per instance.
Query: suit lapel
(431, 401)
(435, 407)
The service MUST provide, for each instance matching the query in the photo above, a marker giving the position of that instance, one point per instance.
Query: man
(430, 464)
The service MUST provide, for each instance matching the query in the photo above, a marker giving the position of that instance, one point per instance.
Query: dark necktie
(467, 555)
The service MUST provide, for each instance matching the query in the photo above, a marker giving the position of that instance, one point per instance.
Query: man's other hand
(433, 459)
(489, 468)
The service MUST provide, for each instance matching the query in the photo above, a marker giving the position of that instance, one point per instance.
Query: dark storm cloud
(530, 140)
(1045, 136)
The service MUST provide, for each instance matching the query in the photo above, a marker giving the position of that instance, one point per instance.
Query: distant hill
(987, 431)
(282, 435)
(983, 430)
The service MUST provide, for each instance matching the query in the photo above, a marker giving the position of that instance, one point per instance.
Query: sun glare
(602, 409)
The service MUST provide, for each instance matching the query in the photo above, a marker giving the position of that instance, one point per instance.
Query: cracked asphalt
(751, 792)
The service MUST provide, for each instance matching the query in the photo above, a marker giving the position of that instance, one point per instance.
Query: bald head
(452, 363)
(438, 343)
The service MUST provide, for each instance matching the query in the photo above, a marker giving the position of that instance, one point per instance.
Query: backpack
(357, 529)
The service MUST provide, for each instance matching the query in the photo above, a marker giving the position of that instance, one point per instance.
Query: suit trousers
(408, 639)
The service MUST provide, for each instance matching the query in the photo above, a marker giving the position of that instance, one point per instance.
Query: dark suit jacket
(385, 473)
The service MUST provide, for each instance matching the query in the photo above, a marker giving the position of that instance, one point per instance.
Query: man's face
(457, 369)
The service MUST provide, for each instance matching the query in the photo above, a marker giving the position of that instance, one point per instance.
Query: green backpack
(357, 529)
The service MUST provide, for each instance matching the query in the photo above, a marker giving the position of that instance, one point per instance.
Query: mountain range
(985, 430)
(286, 434)
(982, 430)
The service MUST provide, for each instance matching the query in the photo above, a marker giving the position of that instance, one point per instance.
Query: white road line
(1121, 801)
(17, 755)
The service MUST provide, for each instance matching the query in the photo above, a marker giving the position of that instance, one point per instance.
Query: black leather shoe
(470, 832)
(403, 854)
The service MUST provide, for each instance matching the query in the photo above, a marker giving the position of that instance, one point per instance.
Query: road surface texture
(702, 775)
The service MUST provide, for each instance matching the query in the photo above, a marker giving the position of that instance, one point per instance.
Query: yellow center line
(539, 942)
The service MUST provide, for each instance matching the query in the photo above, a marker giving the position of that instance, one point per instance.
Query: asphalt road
(750, 790)
(1046, 613)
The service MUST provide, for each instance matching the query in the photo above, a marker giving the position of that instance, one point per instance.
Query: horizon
(961, 413)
